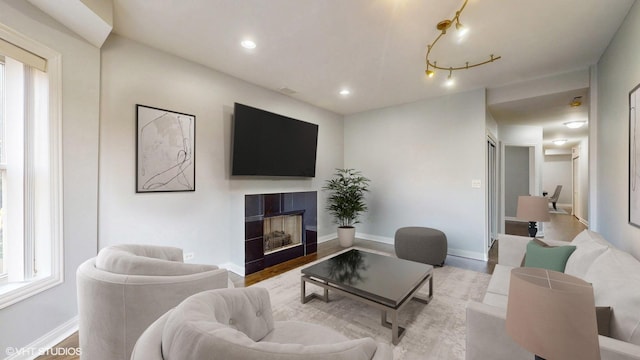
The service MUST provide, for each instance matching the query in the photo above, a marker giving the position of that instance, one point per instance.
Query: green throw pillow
(546, 257)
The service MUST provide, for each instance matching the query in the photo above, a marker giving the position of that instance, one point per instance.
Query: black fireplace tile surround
(260, 206)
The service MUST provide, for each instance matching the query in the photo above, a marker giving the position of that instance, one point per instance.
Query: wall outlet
(476, 183)
(188, 256)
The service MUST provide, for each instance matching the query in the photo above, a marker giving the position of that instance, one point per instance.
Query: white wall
(557, 170)
(492, 125)
(24, 322)
(209, 221)
(618, 73)
(421, 158)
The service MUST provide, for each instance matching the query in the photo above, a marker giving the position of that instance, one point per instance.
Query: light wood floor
(561, 227)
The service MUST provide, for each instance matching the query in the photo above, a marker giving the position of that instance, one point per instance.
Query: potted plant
(346, 202)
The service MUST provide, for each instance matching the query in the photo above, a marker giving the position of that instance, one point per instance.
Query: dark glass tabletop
(384, 279)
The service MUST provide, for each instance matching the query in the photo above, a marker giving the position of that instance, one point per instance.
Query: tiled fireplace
(279, 227)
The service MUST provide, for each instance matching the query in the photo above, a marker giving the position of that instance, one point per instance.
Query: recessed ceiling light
(248, 44)
(345, 92)
(575, 124)
(560, 141)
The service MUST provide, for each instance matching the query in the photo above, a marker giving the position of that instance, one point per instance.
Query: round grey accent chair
(421, 244)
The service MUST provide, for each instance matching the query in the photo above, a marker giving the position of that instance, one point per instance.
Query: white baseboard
(325, 238)
(233, 268)
(467, 254)
(583, 221)
(454, 252)
(382, 239)
(47, 341)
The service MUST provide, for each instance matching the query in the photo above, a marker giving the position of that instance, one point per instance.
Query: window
(30, 171)
(3, 168)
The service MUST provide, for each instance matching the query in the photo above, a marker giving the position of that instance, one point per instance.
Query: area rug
(434, 331)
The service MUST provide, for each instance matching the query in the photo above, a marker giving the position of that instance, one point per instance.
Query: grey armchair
(555, 196)
(126, 288)
(237, 324)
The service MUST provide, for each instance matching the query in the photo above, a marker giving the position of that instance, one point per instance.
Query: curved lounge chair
(127, 287)
(237, 324)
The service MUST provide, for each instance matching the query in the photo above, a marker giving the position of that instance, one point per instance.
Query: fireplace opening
(282, 232)
(279, 227)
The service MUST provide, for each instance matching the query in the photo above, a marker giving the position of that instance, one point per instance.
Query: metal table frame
(397, 332)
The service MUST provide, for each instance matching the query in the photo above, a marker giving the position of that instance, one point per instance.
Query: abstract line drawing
(165, 159)
(634, 157)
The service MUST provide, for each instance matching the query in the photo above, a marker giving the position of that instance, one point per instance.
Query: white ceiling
(550, 112)
(376, 48)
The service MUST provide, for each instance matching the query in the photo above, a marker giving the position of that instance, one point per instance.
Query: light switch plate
(476, 183)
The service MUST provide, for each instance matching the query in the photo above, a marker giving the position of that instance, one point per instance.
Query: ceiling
(550, 112)
(376, 48)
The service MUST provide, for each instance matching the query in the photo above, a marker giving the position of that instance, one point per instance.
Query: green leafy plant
(346, 196)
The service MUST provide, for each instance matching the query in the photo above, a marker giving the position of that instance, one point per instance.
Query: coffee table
(384, 282)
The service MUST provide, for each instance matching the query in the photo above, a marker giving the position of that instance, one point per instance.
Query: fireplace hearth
(279, 227)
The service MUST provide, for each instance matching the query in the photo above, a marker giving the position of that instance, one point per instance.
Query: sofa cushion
(498, 289)
(589, 235)
(132, 260)
(497, 300)
(546, 257)
(615, 276)
(589, 246)
(499, 283)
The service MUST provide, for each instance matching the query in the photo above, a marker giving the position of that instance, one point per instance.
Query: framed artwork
(634, 157)
(165, 150)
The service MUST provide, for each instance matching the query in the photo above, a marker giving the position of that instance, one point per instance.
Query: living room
(421, 156)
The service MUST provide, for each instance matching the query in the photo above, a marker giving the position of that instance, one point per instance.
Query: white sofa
(237, 324)
(127, 287)
(614, 274)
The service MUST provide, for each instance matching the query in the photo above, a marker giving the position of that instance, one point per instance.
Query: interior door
(575, 203)
(492, 191)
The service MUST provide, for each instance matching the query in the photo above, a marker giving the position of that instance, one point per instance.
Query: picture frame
(165, 150)
(634, 156)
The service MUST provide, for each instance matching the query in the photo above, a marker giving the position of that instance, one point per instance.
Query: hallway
(563, 227)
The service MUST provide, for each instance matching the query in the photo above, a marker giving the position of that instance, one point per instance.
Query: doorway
(518, 165)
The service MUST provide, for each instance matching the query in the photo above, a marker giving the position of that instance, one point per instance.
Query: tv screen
(268, 144)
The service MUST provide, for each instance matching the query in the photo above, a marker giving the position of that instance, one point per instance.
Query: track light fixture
(443, 26)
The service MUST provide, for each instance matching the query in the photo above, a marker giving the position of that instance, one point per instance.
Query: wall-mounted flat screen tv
(268, 144)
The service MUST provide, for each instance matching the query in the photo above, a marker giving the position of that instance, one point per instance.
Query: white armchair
(237, 324)
(127, 287)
